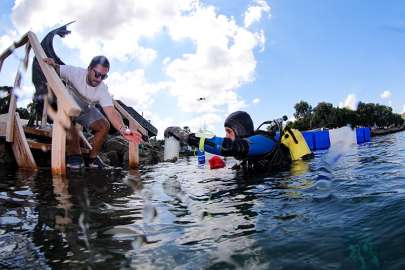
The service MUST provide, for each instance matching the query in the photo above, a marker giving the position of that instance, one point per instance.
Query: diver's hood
(241, 123)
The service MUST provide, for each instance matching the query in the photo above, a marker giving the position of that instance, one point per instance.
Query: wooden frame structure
(67, 106)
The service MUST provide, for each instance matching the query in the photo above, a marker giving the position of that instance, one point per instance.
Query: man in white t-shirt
(88, 89)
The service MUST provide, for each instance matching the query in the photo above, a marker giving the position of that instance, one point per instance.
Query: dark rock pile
(114, 152)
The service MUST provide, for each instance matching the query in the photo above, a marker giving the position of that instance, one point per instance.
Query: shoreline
(386, 131)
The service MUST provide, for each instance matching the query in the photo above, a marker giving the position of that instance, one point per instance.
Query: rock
(104, 158)
(117, 144)
(113, 157)
(6, 152)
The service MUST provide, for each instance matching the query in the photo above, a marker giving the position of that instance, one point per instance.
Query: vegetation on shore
(324, 115)
(5, 103)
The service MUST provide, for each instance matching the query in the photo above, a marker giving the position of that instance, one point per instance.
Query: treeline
(5, 103)
(324, 115)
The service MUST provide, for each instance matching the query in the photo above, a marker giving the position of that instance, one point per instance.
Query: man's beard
(92, 83)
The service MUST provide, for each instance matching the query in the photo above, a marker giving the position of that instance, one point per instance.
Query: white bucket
(172, 148)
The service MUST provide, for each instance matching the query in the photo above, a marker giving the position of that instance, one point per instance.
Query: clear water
(328, 213)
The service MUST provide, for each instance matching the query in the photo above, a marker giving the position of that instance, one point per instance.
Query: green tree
(5, 104)
(302, 109)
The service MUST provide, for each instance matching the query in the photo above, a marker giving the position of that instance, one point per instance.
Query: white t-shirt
(85, 95)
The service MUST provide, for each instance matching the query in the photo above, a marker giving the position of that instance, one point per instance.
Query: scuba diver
(255, 149)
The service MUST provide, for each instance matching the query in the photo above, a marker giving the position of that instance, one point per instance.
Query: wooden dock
(23, 139)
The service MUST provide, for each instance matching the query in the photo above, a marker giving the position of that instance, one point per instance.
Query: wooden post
(21, 150)
(59, 142)
(13, 99)
(133, 151)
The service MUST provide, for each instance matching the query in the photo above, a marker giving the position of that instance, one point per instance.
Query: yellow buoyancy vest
(299, 147)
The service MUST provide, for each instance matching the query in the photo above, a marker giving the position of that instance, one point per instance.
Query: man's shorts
(86, 118)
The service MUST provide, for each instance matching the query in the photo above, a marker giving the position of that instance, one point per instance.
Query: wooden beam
(59, 142)
(13, 100)
(48, 147)
(38, 132)
(3, 124)
(66, 101)
(133, 151)
(136, 125)
(9, 51)
(22, 152)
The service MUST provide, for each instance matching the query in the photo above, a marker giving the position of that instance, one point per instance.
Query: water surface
(345, 214)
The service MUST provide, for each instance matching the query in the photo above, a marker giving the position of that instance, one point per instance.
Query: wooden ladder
(14, 132)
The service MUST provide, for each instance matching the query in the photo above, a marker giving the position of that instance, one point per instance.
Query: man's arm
(115, 119)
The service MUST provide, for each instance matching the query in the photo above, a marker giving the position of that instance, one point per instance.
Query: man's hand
(50, 62)
(177, 133)
(132, 136)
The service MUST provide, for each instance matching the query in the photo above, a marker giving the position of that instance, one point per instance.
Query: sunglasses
(98, 74)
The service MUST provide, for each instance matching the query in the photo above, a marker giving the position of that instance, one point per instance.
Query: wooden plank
(22, 152)
(48, 147)
(83, 139)
(11, 110)
(133, 152)
(3, 124)
(136, 125)
(13, 99)
(15, 45)
(66, 101)
(39, 132)
(59, 142)
(44, 117)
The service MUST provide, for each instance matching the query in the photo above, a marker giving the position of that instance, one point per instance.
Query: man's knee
(101, 125)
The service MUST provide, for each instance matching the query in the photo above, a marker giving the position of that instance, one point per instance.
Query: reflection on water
(343, 210)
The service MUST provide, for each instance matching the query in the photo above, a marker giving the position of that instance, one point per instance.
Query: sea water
(337, 211)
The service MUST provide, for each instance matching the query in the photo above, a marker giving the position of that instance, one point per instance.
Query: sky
(193, 62)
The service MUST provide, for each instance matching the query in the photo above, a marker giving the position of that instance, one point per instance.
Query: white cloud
(166, 60)
(254, 13)
(223, 60)
(403, 108)
(341, 105)
(157, 122)
(219, 60)
(205, 121)
(351, 102)
(7, 40)
(133, 88)
(390, 103)
(108, 28)
(256, 101)
(386, 94)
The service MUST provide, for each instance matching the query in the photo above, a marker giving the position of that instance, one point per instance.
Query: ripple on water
(342, 214)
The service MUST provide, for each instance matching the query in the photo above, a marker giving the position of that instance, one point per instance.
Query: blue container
(360, 135)
(201, 156)
(367, 134)
(309, 138)
(322, 140)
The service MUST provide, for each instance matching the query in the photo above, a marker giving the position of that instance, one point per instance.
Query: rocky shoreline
(114, 152)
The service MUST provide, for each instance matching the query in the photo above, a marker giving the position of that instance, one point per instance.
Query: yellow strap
(202, 140)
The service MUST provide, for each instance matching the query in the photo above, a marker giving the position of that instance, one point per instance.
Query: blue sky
(259, 56)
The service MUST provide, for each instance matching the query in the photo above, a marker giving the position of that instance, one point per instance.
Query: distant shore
(377, 132)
